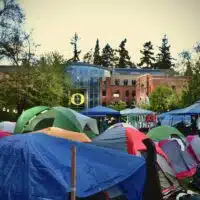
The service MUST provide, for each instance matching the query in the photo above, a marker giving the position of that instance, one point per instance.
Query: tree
(74, 43)
(192, 93)
(108, 56)
(88, 57)
(147, 60)
(197, 47)
(124, 58)
(186, 62)
(97, 57)
(163, 99)
(42, 84)
(13, 38)
(164, 59)
(118, 105)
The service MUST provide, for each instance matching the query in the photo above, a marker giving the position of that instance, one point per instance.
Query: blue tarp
(38, 167)
(100, 111)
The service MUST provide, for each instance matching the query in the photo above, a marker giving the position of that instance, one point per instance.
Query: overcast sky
(55, 21)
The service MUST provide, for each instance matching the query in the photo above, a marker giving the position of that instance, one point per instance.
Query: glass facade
(85, 76)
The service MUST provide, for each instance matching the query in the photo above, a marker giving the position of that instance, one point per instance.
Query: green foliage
(147, 60)
(88, 57)
(164, 59)
(118, 105)
(192, 93)
(124, 59)
(97, 57)
(163, 99)
(42, 84)
(108, 56)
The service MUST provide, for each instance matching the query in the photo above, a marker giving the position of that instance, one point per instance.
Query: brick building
(147, 83)
(118, 87)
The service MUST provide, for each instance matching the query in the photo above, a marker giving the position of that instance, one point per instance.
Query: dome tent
(44, 162)
(39, 118)
(66, 134)
(163, 133)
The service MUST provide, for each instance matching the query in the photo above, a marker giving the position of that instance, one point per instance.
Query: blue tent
(38, 166)
(191, 110)
(100, 111)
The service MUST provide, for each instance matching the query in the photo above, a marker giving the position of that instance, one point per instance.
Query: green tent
(163, 133)
(27, 115)
(60, 117)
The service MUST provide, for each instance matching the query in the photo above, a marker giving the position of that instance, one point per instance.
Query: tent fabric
(27, 115)
(70, 135)
(60, 117)
(194, 146)
(92, 123)
(7, 126)
(125, 137)
(183, 164)
(4, 134)
(163, 132)
(44, 162)
(190, 110)
(136, 111)
(100, 111)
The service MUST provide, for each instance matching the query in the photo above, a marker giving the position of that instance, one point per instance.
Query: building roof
(89, 65)
(129, 71)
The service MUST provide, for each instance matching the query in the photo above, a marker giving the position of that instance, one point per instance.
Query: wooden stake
(73, 180)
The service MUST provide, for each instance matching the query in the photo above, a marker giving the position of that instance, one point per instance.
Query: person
(194, 124)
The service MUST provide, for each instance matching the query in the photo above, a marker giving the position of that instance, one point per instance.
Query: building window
(125, 82)
(117, 81)
(104, 93)
(116, 93)
(127, 93)
(104, 82)
(173, 87)
(133, 82)
(133, 93)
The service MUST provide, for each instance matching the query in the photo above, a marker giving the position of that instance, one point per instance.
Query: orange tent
(58, 132)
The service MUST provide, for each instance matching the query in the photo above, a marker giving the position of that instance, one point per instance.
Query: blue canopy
(38, 166)
(193, 109)
(100, 111)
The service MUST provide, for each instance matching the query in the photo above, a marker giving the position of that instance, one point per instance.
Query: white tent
(7, 126)
(136, 111)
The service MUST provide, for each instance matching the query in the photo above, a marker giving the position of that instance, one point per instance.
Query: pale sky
(55, 21)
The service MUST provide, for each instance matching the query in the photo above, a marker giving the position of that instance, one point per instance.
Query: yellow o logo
(77, 99)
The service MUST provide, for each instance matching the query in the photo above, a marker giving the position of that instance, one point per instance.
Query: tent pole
(73, 179)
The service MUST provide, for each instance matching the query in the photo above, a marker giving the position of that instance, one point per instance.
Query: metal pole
(73, 180)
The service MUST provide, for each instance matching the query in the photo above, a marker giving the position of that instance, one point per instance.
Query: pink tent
(4, 134)
(193, 147)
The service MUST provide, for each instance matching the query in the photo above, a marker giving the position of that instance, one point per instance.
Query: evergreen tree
(124, 58)
(88, 57)
(74, 42)
(186, 56)
(108, 56)
(164, 59)
(147, 59)
(97, 57)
